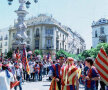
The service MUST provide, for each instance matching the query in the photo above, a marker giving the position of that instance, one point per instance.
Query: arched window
(102, 30)
(37, 31)
(95, 33)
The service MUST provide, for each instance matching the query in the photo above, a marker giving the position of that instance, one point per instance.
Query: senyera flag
(1, 59)
(25, 61)
(101, 63)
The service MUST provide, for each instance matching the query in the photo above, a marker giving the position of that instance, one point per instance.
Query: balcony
(49, 47)
(49, 36)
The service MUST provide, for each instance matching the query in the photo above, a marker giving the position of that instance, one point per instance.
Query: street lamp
(28, 4)
(10, 2)
(21, 36)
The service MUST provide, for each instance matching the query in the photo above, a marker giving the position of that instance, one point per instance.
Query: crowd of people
(68, 74)
(65, 73)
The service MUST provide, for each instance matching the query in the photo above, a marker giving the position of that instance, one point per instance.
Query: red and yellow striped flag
(53, 85)
(25, 61)
(101, 63)
(69, 73)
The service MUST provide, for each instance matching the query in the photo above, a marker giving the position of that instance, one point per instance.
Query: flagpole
(1, 57)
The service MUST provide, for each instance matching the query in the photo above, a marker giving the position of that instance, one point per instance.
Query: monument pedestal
(20, 46)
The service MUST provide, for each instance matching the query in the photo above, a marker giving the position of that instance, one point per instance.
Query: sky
(76, 14)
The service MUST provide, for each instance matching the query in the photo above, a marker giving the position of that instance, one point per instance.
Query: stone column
(20, 38)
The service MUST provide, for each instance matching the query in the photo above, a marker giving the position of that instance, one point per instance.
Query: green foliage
(9, 54)
(105, 45)
(38, 52)
(93, 51)
(85, 54)
(66, 54)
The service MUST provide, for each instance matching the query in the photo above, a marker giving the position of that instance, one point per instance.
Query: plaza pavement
(40, 85)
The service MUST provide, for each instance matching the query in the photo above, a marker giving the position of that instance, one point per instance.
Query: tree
(93, 51)
(86, 53)
(38, 52)
(66, 54)
(9, 54)
(105, 45)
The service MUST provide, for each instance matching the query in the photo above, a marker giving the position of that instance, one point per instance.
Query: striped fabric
(1, 57)
(101, 63)
(18, 56)
(69, 73)
(69, 87)
(25, 61)
(53, 85)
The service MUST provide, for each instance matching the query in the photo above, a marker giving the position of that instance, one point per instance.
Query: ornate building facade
(76, 43)
(47, 34)
(4, 38)
(99, 32)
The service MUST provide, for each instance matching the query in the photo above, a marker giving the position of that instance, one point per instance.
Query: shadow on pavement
(45, 85)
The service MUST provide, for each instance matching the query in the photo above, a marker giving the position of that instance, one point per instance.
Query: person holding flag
(55, 74)
(25, 63)
(18, 55)
(101, 63)
(1, 59)
(70, 75)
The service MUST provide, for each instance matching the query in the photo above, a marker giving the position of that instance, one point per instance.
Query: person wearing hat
(69, 73)
(55, 70)
(6, 77)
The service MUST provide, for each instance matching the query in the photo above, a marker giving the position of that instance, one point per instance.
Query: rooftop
(101, 21)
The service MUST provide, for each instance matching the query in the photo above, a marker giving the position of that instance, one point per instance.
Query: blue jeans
(40, 76)
(44, 71)
(20, 84)
(86, 88)
(36, 76)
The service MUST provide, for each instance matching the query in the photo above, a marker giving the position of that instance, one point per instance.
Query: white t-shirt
(18, 72)
(31, 68)
(5, 81)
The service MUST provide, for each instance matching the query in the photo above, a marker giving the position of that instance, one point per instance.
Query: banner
(101, 63)
(25, 61)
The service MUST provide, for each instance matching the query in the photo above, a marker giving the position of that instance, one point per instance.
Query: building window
(65, 47)
(28, 33)
(49, 31)
(63, 37)
(102, 30)
(78, 51)
(95, 33)
(6, 37)
(37, 31)
(48, 42)
(37, 44)
(5, 51)
(13, 35)
(0, 45)
(1, 38)
(5, 44)
(28, 42)
(57, 45)
(60, 45)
